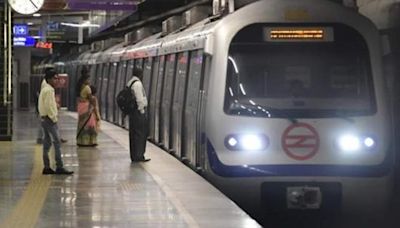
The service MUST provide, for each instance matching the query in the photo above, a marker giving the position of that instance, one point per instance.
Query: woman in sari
(87, 116)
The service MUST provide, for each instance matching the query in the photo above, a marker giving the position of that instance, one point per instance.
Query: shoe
(63, 171)
(48, 171)
(63, 140)
(39, 141)
(142, 160)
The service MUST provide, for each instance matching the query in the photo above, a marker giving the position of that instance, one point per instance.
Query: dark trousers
(137, 135)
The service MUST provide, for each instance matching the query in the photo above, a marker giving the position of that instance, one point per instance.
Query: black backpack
(126, 100)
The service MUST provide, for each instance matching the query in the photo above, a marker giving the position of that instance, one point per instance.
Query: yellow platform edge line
(27, 210)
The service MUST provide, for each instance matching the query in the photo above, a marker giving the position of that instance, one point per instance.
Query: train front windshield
(301, 72)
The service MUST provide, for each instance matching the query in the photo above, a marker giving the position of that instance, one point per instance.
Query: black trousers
(137, 135)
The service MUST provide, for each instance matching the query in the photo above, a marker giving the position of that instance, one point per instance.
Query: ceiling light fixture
(86, 24)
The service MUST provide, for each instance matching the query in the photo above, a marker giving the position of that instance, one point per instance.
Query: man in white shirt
(39, 139)
(138, 119)
(48, 111)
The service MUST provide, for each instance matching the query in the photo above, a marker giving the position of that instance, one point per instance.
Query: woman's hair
(85, 76)
(93, 89)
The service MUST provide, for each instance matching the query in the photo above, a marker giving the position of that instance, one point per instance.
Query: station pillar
(6, 106)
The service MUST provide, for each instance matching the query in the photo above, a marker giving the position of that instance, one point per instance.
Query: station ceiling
(117, 22)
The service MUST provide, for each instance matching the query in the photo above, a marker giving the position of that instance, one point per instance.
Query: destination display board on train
(298, 34)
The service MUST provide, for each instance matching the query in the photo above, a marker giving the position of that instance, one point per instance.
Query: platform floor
(106, 189)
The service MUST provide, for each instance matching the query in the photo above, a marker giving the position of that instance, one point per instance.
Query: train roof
(203, 34)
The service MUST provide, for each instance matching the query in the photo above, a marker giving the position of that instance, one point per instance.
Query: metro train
(281, 104)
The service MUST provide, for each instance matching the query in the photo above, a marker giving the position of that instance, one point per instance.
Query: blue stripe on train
(297, 170)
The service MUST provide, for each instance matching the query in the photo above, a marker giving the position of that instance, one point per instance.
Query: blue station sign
(22, 41)
(20, 30)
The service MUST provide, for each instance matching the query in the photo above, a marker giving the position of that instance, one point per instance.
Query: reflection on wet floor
(106, 190)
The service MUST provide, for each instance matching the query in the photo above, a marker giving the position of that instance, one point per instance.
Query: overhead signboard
(129, 5)
(45, 45)
(20, 30)
(26, 41)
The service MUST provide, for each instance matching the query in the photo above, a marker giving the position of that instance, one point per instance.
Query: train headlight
(353, 143)
(232, 141)
(248, 142)
(369, 142)
(349, 143)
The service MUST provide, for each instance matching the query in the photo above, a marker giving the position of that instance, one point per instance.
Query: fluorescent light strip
(85, 25)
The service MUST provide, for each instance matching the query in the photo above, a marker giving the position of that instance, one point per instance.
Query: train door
(156, 99)
(167, 91)
(99, 79)
(178, 103)
(147, 69)
(104, 90)
(111, 92)
(119, 86)
(147, 75)
(73, 79)
(151, 94)
(92, 73)
(192, 109)
(131, 65)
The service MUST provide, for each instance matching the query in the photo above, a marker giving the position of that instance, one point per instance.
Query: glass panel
(152, 98)
(139, 64)
(299, 79)
(120, 85)
(111, 93)
(128, 77)
(147, 75)
(99, 79)
(104, 90)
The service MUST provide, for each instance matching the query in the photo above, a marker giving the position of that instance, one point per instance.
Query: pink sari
(87, 124)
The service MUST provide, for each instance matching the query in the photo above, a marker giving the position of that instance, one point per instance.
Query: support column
(5, 72)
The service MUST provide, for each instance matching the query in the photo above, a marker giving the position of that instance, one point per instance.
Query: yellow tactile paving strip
(27, 210)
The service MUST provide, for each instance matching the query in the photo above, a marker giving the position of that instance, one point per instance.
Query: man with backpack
(137, 118)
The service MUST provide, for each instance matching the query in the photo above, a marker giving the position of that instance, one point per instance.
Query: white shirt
(43, 83)
(47, 102)
(140, 94)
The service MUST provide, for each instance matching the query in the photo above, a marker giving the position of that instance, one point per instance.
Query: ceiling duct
(139, 34)
(97, 46)
(83, 48)
(112, 41)
(241, 3)
(222, 7)
(195, 15)
(170, 25)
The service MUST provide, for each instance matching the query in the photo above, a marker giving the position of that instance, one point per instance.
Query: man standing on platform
(138, 119)
(48, 112)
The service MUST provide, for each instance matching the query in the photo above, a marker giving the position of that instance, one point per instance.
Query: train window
(131, 65)
(111, 91)
(139, 64)
(156, 99)
(299, 79)
(120, 85)
(104, 90)
(147, 74)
